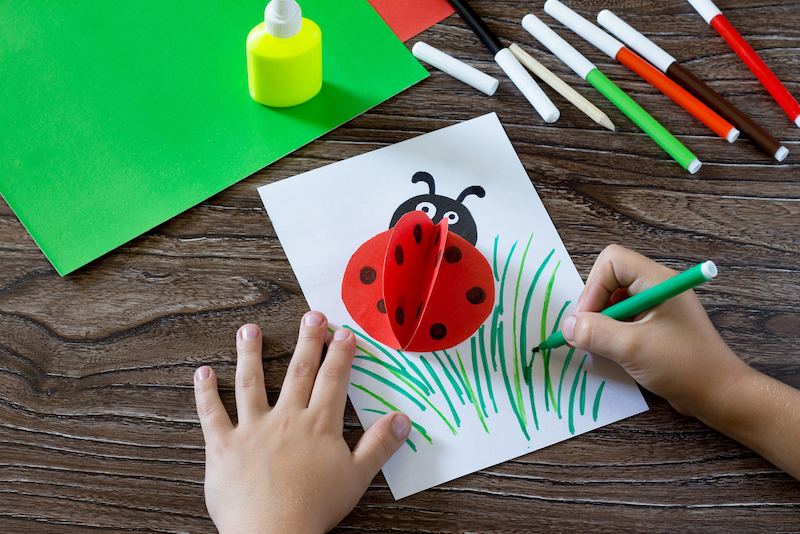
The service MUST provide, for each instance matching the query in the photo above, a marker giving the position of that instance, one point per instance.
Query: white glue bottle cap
(283, 18)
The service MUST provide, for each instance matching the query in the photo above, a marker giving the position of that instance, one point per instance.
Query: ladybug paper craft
(422, 285)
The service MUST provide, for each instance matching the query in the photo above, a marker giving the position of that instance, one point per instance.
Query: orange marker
(617, 50)
(678, 94)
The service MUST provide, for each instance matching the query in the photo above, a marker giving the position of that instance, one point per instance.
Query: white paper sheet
(323, 216)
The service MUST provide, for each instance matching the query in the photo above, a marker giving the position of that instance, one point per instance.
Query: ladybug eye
(451, 216)
(428, 208)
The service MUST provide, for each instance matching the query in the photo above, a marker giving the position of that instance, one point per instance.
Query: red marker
(714, 16)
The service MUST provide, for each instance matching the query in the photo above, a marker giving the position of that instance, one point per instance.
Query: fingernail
(250, 331)
(568, 328)
(401, 425)
(342, 333)
(313, 319)
(202, 373)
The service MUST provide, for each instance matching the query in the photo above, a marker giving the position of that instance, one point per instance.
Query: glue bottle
(284, 56)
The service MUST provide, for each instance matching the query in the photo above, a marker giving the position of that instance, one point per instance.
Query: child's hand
(287, 468)
(672, 350)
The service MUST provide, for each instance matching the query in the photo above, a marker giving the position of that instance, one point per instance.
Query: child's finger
(617, 267)
(598, 334)
(380, 441)
(251, 393)
(302, 372)
(330, 389)
(213, 417)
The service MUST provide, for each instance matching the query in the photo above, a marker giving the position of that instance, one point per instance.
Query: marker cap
(635, 40)
(781, 153)
(558, 46)
(283, 18)
(455, 68)
(694, 166)
(583, 27)
(527, 86)
(706, 8)
(708, 269)
(797, 121)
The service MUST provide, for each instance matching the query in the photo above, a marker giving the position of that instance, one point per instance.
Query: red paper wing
(409, 271)
(362, 290)
(462, 298)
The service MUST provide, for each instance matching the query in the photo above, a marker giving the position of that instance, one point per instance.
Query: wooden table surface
(98, 430)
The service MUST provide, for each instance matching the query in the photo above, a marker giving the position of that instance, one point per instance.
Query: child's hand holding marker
(287, 468)
(674, 351)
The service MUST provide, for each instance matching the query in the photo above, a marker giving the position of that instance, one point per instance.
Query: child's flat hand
(287, 468)
(672, 350)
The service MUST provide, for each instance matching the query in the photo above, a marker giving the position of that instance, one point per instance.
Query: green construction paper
(643, 119)
(118, 116)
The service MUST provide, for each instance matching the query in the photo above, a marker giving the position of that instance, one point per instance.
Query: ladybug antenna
(423, 176)
(471, 190)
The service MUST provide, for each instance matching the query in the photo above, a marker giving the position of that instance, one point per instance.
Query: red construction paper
(418, 287)
(412, 260)
(408, 18)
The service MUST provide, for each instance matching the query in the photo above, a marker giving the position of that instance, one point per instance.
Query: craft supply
(616, 50)
(559, 85)
(410, 17)
(667, 64)
(455, 68)
(647, 299)
(715, 18)
(129, 132)
(284, 56)
(482, 401)
(586, 70)
(503, 56)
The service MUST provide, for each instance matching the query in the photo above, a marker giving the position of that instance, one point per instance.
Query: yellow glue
(284, 57)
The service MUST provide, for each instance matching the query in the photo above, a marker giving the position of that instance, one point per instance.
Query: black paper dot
(367, 275)
(418, 233)
(382, 306)
(438, 331)
(438, 235)
(419, 310)
(398, 254)
(399, 316)
(476, 295)
(452, 254)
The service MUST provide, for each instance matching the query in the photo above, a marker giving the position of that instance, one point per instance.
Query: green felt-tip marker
(586, 70)
(646, 299)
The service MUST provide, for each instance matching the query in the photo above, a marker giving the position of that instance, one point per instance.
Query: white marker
(455, 68)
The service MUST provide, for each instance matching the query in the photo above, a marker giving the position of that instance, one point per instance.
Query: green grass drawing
(596, 405)
(564, 372)
(458, 375)
(548, 384)
(481, 332)
(417, 377)
(452, 380)
(444, 391)
(469, 390)
(476, 370)
(572, 396)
